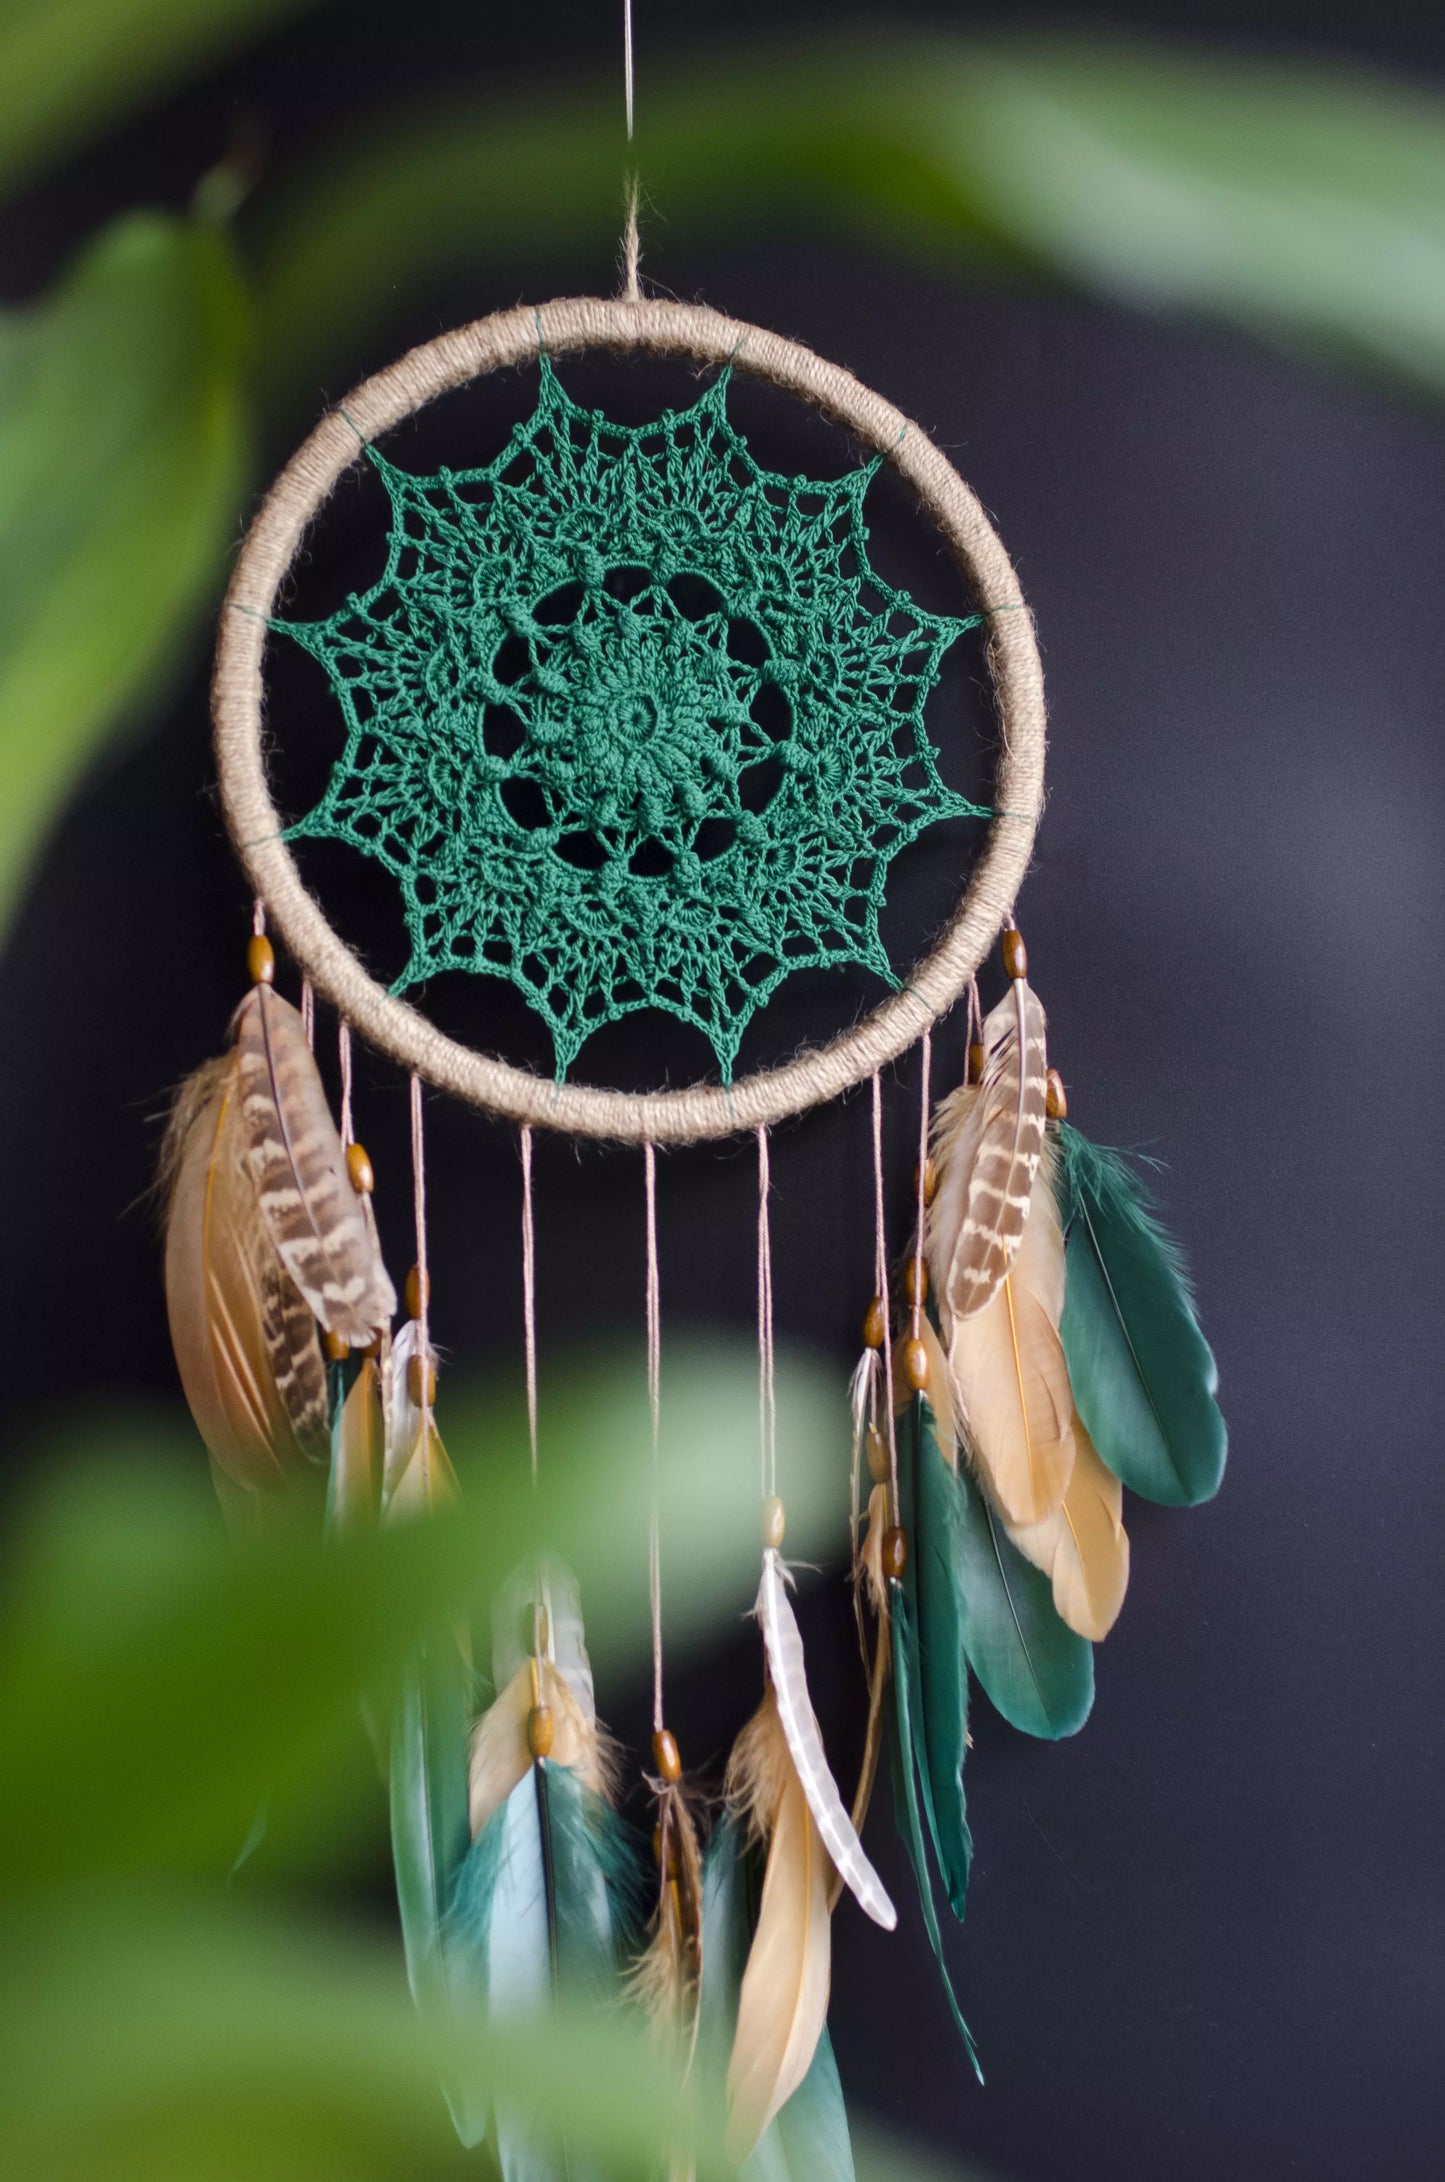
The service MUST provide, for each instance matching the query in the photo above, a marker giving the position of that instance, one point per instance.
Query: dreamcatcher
(548, 731)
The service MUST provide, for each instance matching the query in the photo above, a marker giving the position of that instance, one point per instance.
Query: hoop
(706, 1110)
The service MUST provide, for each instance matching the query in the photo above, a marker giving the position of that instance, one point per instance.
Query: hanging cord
(529, 1298)
(627, 72)
(767, 1394)
(631, 241)
(343, 1055)
(654, 1403)
(916, 1320)
(880, 1274)
(258, 918)
(423, 1277)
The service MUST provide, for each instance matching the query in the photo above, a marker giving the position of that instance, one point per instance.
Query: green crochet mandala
(632, 721)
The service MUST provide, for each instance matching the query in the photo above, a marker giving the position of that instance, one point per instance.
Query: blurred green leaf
(123, 451)
(1296, 200)
(157, 1681)
(69, 66)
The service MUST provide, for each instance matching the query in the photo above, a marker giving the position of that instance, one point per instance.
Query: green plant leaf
(123, 450)
(1294, 199)
(68, 67)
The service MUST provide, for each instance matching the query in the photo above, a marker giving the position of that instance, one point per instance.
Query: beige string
(654, 1403)
(343, 1055)
(418, 1179)
(258, 918)
(675, 329)
(529, 1297)
(767, 1391)
(916, 1318)
(880, 1274)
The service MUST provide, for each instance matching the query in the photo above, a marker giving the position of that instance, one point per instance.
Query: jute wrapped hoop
(706, 1110)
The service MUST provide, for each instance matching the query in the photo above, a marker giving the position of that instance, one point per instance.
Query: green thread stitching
(632, 721)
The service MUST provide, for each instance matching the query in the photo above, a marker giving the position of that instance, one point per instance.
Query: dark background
(1207, 1937)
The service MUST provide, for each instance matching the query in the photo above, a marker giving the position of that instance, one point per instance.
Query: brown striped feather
(986, 1147)
(299, 1168)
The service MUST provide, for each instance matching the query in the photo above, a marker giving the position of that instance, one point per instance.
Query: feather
(429, 1830)
(986, 1146)
(783, 1643)
(245, 1342)
(1010, 1377)
(863, 1402)
(358, 1449)
(1082, 1547)
(299, 1170)
(667, 1978)
(807, 2141)
(938, 1693)
(868, 1579)
(1144, 1377)
(783, 1997)
(907, 1772)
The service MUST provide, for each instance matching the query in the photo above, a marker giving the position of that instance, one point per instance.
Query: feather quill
(1010, 1377)
(1082, 1547)
(783, 1643)
(298, 1166)
(245, 1341)
(986, 1146)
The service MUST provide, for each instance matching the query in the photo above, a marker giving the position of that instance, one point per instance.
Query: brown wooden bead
(1056, 1099)
(775, 1522)
(1015, 954)
(260, 960)
(359, 1170)
(915, 1281)
(665, 1755)
(875, 1325)
(895, 1553)
(418, 1292)
(539, 1731)
(930, 1181)
(421, 1382)
(336, 1349)
(877, 1448)
(974, 1071)
(915, 1365)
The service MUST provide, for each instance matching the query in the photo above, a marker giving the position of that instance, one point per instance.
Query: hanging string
(654, 1403)
(258, 918)
(529, 1297)
(631, 240)
(423, 1278)
(767, 1395)
(627, 77)
(916, 1322)
(343, 1055)
(308, 1012)
(880, 1274)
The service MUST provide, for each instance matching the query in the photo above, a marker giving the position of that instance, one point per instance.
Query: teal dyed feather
(1143, 1375)
(430, 1830)
(906, 1772)
(938, 1697)
(808, 2141)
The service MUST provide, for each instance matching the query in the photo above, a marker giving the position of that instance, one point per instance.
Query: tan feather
(245, 1343)
(426, 1480)
(667, 1978)
(499, 1755)
(299, 1169)
(359, 1452)
(783, 2002)
(1083, 1545)
(1009, 1375)
(986, 1147)
(868, 1576)
(941, 1398)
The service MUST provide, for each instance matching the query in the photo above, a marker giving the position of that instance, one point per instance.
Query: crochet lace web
(632, 720)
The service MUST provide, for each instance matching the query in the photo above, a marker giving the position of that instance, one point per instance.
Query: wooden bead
(774, 1522)
(974, 1071)
(539, 1731)
(914, 1288)
(336, 1349)
(895, 1553)
(665, 1755)
(418, 1292)
(930, 1181)
(915, 1365)
(1015, 954)
(260, 960)
(877, 1448)
(875, 1325)
(359, 1170)
(1055, 1097)
(421, 1382)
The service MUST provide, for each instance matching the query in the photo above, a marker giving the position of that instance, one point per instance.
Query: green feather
(430, 1830)
(938, 1699)
(906, 1770)
(1038, 1673)
(808, 2141)
(1143, 1374)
